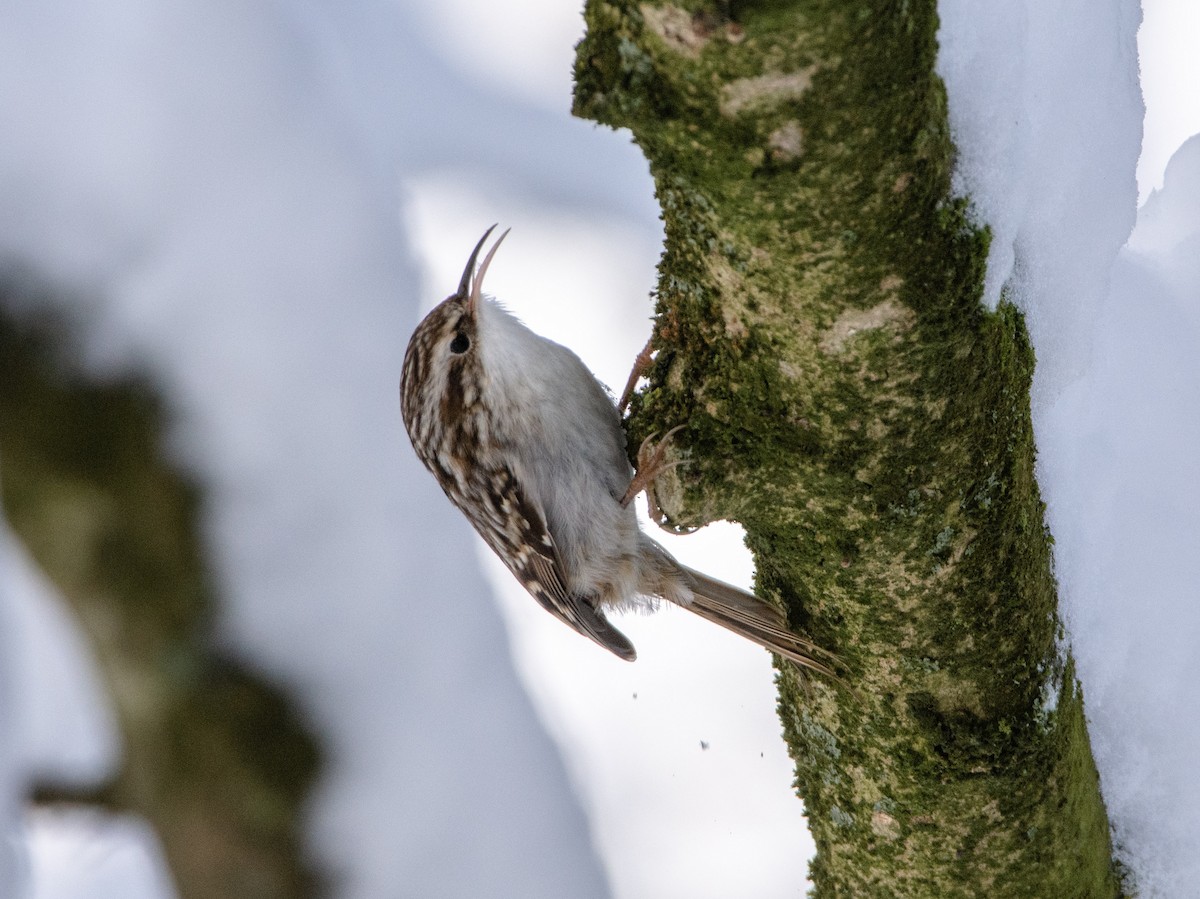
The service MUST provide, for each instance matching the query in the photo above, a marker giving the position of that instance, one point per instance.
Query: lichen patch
(852, 322)
(764, 90)
(732, 287)
(677, 28)
(786, 142)
(884, 825)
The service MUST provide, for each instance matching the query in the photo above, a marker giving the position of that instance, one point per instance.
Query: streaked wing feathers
(515, 529)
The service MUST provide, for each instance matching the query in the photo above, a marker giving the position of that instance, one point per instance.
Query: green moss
(214, 756)
(847, 399)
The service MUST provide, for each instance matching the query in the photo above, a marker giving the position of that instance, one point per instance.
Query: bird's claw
(651, 463)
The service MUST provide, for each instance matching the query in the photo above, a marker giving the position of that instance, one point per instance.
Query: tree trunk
(214, 757)
(848, 400)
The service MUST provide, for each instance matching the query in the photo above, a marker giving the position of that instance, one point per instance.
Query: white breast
(569, 448)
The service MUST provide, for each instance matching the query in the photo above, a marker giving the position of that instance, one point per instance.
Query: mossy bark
(848, 400)
(214, 757)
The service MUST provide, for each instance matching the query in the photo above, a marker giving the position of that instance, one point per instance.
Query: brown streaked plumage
(529, 445)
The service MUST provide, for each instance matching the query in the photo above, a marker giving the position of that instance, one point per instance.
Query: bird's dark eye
(461, 343)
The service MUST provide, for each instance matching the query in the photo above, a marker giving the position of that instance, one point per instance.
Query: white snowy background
(257, 203)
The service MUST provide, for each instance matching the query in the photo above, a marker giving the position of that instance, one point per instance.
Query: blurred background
(247, 648)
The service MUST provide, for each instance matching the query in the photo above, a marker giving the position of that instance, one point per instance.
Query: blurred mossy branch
(213, 756)
(848, 400)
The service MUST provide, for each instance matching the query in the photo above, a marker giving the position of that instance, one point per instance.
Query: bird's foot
(641, 365)
(651, 463)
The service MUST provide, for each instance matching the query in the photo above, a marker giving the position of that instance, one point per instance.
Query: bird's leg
(640, 366)
(651, 463)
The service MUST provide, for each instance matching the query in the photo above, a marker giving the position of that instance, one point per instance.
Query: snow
(12, 773)
(60, 728)
(1123, 480)
(1047, 131)
(257, 203)
(1046, 112)
(78, 852)
(1170, 71)
(69, 727)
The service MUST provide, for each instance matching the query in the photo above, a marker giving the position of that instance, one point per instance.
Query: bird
(529, 445)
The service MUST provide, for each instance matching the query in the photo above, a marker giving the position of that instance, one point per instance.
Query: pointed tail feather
(757, 621)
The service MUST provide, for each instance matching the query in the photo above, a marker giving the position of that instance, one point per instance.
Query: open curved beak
(470, 288)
